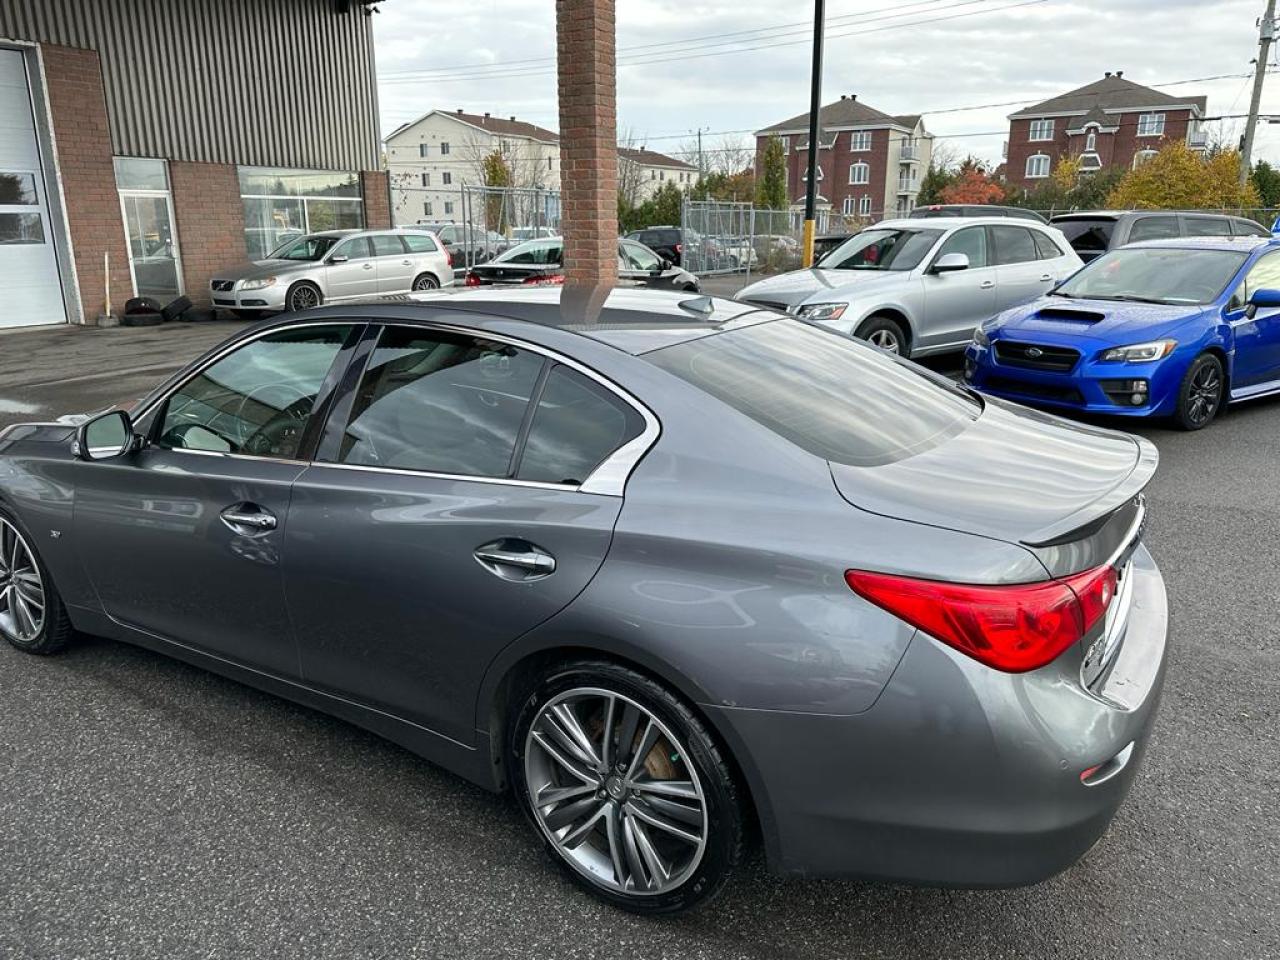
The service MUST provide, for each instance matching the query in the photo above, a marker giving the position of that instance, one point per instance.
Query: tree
(495, 171)
(972, 185)
(737, 187)
(935, 180)
(771, 186)
(1180, 178)
(1266, 180)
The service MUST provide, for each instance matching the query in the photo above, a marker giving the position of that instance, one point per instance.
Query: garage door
(30, 289)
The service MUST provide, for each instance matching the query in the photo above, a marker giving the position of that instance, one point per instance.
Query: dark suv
(1093, 232)
(666, 242)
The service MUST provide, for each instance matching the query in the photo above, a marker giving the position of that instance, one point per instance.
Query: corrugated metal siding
(281, 83)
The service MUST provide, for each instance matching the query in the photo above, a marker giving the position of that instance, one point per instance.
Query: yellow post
(806, 245)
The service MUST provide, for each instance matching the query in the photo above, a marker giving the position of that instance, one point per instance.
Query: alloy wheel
(885, 340)
(1205, 393)
(304, 298)
(22, 596)
(425, 283)
(615, 793)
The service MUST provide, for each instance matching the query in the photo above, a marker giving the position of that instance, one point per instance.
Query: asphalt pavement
(148, 809)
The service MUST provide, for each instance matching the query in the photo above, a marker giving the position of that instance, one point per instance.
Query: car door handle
(986, 284)
(1047, 278)
(248, 519)
(512, 558)
(407, 263)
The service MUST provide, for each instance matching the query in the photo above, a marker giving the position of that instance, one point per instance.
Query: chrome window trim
(608, 479)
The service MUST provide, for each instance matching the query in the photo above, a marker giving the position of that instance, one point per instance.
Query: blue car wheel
(1200, 395)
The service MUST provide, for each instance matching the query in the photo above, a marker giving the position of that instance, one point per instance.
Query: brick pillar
(78, 107)
(210, 222)
(376, 190)
(588, 140)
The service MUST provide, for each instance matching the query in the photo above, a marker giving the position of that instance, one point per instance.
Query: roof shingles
(1112, 92)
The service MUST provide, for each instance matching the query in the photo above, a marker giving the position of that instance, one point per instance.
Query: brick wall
(73, 80)
(834, 162)
(376, 189)
(210, 222)
(585, 55)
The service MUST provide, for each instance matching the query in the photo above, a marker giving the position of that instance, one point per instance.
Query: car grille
(221, 285)
(217, 302)
(1036, 356)
(1041, 390)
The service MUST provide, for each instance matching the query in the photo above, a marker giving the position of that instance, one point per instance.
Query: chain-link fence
(496, 218)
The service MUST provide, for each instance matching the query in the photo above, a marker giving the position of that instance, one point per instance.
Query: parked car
(737, 252)
(332, 266)
(666, 242)
(918, 287)
(520, 234)
(1168, 328)
(974, 210)
(466, 245)
(664, 572)
(541, 262)
(1093, 232)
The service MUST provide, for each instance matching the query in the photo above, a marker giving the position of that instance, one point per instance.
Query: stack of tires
(147, 312)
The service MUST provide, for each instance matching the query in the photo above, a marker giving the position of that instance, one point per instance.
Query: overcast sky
(900, 57)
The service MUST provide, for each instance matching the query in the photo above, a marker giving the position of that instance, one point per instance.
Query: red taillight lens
(472, 280)
(1015, 628)
(551, 279)
(679, 248)
(448, 257)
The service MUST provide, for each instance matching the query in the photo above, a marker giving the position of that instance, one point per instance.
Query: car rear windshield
(882, 250)
(1156, 275)
(838, 398)
(1087, 236)
(540, 252)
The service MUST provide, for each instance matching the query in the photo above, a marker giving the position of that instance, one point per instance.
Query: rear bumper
(959, 775)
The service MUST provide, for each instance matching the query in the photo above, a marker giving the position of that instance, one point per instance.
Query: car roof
(1238, 244)
(1117, 214)
(957, 223)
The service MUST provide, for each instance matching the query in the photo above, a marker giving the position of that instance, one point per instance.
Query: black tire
(886, 333)
(701, 762)
(55, 630)
(303, 295)
(426, 281)
(142, 318)
(1201, 393)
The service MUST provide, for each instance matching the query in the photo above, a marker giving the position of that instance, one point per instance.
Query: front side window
(859, 173)
(1041, 130)
(1014, 245)
(441, 403)
(1156, 275)
(1263, 275)
(972, 242)
(878, 249)
(255, 401)
(1037, 166)
(639, 257)
(1151, 125)
(305, 249)
(1155, 228)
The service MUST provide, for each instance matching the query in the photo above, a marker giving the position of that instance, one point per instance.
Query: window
(847, 207)
(859, 173)
(548, 163)
(427, 210)
(786, 143)
(1263, 275)
(1247, 228)
(1156, 228)
(281, 203)
(1206, 226)
(440, 402)
(1087, 236)
(860, 140)
(419, 243)
(881, 249)
(426, 179)
(575, 426)
(541, 252)
(387, 245)
(639, 257)
(1013, 245)
(864, 205)
(1091, 142)
(1151, 125)
(662, 174)
(422, 149)
(448, 208)
(653, 174)
(256, 400)
(154, 264)
(831, 396)
(19, 228)
(444, 148)
(1041, 130)
(139, 173)
(1046, 247)
(357, 248)
(805, 175)
(446, 178)
(1037, 166)
(972, 242)
(304, 249)
(19, 225)
(1142, 156)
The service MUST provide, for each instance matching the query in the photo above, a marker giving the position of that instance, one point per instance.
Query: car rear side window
(1247, 228)
(1014, 245)
(387, 245)
(576, 425)
(420, 243)
(441, 403)
(1153, 228)
(1207, 226)
(1087, 236)
(1046, 246)
(838, 398)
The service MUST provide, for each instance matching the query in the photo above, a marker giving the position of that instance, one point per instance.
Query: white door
(30, 289)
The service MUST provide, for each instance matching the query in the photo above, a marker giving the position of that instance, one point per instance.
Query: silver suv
(921, 286)
(335, 265)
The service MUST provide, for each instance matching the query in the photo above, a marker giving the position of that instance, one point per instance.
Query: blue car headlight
(1141, 352)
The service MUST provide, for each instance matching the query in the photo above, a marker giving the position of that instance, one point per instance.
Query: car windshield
(1156, 275)
(304, 248)
(881, 250)
(544, 252)
(838, 398)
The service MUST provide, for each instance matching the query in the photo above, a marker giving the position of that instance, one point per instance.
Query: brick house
(140, 161)
(870, 163)
(1110, 122)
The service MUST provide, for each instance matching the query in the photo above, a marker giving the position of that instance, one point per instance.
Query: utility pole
(815, 130)
(1266, 33)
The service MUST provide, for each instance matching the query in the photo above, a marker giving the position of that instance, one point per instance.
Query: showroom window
(282, 204)
(147, 209)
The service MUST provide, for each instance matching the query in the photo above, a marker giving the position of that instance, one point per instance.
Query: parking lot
(148, 809)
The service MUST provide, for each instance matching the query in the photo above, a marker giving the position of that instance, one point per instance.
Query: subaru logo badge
(1034, 352)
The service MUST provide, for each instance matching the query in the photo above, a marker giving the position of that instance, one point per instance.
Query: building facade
(870, 163)
(432, 158)
(146, 144)
(1110, 122)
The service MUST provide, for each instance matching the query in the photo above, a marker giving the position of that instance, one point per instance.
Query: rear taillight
(679, 248)
(1015, 628)
(471, 280)
(448, 257)
(551, 279)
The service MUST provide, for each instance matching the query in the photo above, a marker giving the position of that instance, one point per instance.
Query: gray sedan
(922, 286)
(667, 569)
(328, 267)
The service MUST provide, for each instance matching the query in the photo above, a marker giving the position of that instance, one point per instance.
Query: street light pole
(1265, 36)
(815, 130)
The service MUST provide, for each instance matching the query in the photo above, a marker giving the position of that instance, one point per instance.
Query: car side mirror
(1264, 298)
(339, 258)
(950, 263)
(105, 437)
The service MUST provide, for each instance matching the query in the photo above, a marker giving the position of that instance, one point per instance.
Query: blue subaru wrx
(1170, 328)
